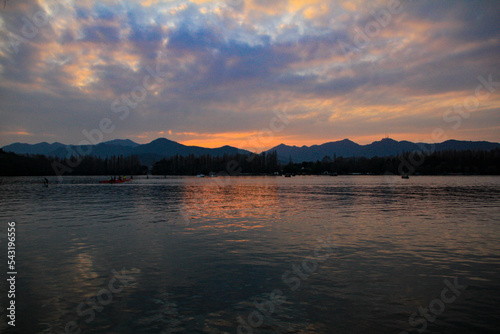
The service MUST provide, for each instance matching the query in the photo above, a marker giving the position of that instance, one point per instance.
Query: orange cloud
(20, 133)
(149, 3)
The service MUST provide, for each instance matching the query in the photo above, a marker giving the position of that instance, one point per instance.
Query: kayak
(115, 181)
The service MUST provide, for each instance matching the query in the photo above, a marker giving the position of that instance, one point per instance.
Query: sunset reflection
(217, 205)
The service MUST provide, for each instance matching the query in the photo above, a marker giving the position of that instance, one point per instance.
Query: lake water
(307, 254)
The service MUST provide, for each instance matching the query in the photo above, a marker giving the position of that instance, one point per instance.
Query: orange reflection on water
(218, 204)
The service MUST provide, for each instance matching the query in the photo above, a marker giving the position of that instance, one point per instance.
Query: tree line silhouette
(228, 164)
(477, 162)
(12, 164)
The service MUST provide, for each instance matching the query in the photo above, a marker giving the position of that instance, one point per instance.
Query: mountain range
(147, 153)
(383, 148)
(164, 148)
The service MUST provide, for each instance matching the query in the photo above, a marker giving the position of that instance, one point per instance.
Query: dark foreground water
(347, 254)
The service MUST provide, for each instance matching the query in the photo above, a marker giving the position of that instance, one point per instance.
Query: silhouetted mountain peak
(346, 140)
(161, 141)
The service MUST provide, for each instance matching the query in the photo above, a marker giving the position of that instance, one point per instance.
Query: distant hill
(344, 147)
(383, 148)
(40, 148)
(165, 148)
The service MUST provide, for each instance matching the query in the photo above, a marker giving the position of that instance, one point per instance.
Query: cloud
(101, 34)
(227, 65)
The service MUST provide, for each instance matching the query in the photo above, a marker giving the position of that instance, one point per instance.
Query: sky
(249, 73)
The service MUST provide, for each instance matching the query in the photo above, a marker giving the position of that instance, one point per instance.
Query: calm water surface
(347, 254)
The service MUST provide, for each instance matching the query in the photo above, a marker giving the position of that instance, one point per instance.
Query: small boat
(405, 176)
(115, 181)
